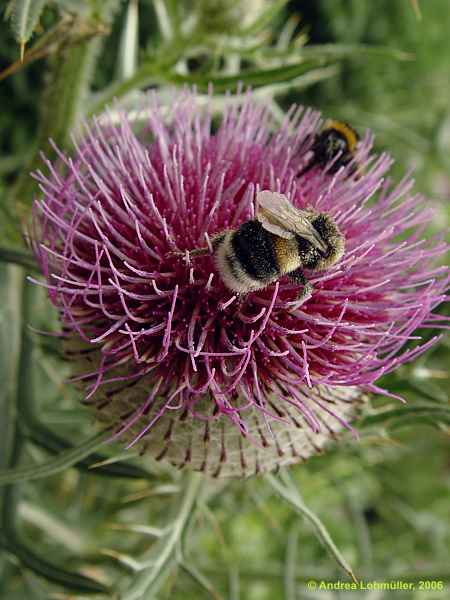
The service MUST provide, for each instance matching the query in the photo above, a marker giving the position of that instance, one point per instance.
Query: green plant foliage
(406, 104)
(24, 15)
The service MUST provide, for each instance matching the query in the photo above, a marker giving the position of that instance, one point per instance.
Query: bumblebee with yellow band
(334, 147)
(282, 240)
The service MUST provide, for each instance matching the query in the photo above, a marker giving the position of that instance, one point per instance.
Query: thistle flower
(162, 350)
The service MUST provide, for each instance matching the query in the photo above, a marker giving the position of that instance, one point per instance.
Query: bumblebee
(282, 240)
(335, 144)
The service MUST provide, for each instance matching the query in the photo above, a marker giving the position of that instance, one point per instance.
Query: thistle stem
(69, 75)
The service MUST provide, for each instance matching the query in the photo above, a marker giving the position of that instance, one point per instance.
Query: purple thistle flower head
(172, 359)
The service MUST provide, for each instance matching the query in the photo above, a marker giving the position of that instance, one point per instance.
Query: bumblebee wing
(279, 216)
(276, 210)
(273, 227)
(268, 205)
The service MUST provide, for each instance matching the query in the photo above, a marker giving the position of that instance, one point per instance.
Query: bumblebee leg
(298, 276)
(199, 251)
(213, 244)
(194, 252)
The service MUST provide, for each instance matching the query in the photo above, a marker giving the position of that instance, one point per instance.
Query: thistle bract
(163, 351)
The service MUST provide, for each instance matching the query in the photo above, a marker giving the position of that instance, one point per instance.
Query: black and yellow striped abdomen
(246, 258)
(254, 249)
(287, 252)
(251, 257)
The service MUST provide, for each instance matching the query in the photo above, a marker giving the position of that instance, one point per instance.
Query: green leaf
(429, 389)
(302, 82)
(44, 437)
(416, 413)
(51, 572)
(73, 6)
(265, 18)
(201, 579)
(288, 491)
(128, 48)
(18, 257)
(11, 282)
(290, 584)
(9, 537)
(68, 77)
(9, 8)
(25, 17)
(63, 461)
(412, 386)
(149, 73)
(254, 78)
(145, 583)
(338, 51)
(163, 16)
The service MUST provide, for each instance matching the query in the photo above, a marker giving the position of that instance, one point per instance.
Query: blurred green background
(383, 500)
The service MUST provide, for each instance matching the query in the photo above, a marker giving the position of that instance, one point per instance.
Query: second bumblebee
(334, 147)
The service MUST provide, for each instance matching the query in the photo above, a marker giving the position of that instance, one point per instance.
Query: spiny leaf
(18, 257)
(417, 413)
(106, 466)
(291, 564)
(148, 581)
(127, 58)
(24, 19)
(69, 31)
(301, 82)
(416, 9)
(11, 282)
(201, 579)
(338, 51)
(51, 572)
(254, 77)
(285, 488)
(62, 461)
(265, 18)
(150, 73)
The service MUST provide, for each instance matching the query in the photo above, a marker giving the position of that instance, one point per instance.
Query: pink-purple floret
(110, 216)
